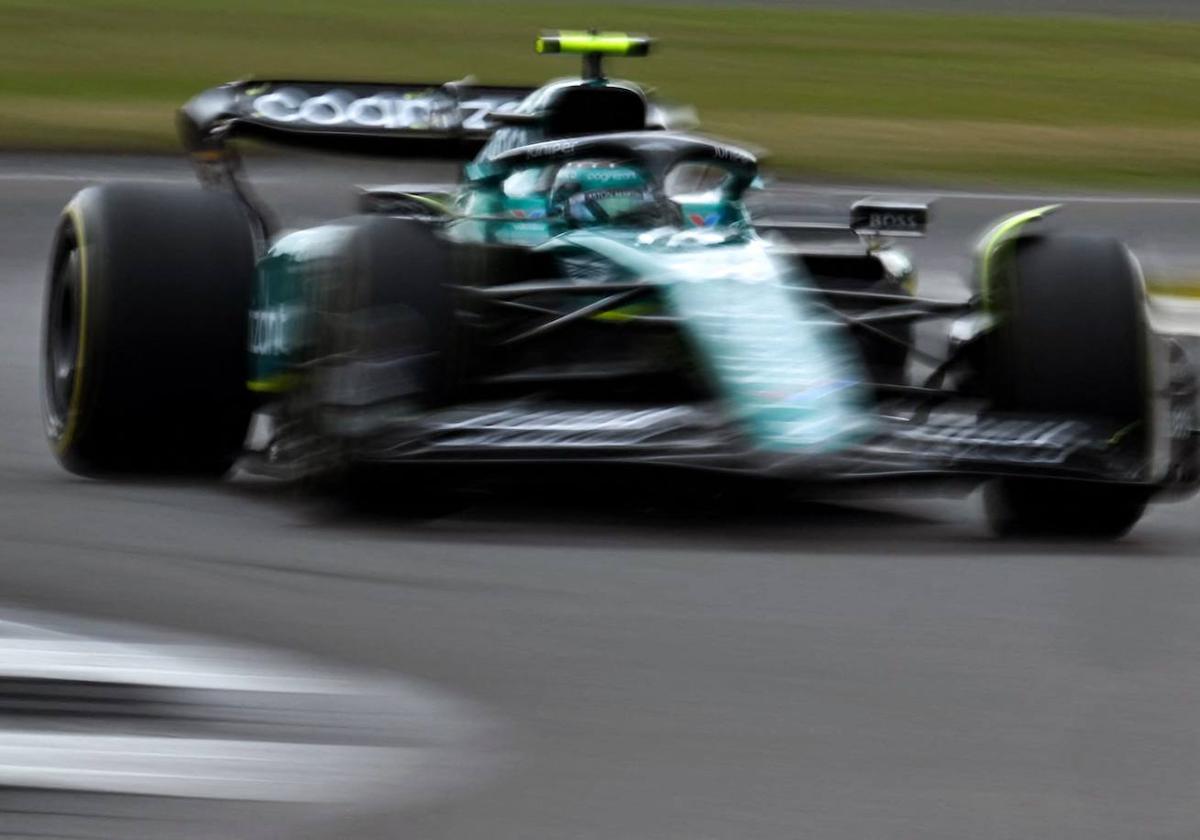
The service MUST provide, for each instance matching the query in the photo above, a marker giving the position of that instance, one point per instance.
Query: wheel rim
(63, 327)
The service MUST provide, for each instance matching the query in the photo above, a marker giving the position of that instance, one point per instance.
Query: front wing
(955, 441)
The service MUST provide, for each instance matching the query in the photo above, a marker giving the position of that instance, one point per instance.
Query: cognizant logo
(384, 110)
(278, 331)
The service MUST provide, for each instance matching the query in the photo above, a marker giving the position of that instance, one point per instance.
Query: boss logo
(893, 221)
(887, 218)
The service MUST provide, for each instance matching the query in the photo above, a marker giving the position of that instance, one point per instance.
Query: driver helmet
(599, 191)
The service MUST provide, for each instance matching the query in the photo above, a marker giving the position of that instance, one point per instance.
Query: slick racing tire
(1018, 507)
(145, 330)
(1071, 339)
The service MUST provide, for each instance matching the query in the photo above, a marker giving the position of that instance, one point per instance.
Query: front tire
(1071, 340)
(145, 330)
(1019, 507)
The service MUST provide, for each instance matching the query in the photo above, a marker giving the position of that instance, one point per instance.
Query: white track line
(987, 196)
(289, 714)
(46, 177)
(208, 768)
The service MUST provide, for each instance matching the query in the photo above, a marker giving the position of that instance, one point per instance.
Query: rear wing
(411, 120)
(451, 121)
(428, 120)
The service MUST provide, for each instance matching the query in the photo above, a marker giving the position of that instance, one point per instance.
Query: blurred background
(189, 660)
(981, 90)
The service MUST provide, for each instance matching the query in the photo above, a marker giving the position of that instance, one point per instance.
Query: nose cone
(788, 374)
(786, 369)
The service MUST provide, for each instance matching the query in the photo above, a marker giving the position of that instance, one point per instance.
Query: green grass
(839, 95)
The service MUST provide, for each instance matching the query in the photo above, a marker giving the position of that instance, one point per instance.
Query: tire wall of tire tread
(1071, 337)
(169, 274)
(1071, 340)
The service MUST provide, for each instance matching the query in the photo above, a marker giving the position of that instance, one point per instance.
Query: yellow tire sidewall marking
(73, 410)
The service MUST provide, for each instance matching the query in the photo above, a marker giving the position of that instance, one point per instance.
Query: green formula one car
(593, 292)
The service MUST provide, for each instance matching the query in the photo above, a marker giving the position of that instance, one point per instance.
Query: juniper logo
(552, 148)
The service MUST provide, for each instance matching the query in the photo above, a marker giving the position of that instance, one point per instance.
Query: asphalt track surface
(845, 669)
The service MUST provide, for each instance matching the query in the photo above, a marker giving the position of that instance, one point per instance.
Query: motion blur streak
(176, 720)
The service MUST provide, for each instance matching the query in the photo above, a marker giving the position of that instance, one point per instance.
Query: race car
(593, 292)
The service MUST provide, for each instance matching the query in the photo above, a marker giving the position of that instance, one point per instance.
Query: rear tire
(1072, 339)
(145, 330)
